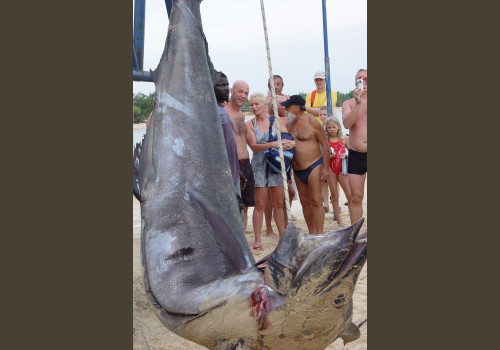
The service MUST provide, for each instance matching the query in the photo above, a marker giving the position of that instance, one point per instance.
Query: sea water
(139, 134)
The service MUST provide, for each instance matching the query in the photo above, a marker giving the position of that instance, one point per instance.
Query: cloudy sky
(236, 42)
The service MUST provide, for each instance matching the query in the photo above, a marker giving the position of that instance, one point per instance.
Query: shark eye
(339, 300)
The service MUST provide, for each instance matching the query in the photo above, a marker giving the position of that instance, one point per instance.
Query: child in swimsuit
(335, 138)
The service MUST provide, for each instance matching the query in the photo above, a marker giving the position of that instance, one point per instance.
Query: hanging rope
(276, 119)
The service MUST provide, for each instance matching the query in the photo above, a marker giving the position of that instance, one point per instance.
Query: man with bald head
(239, 95)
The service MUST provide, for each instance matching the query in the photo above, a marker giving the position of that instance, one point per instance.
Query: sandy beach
(149, 332)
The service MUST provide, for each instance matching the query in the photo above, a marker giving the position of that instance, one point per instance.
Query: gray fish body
(184, 149)
(199, 272)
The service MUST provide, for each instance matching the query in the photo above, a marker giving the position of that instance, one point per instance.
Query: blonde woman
(258, 141)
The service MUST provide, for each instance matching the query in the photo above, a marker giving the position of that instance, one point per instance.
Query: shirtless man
(239, 95)
(310, 163)
(354, 117)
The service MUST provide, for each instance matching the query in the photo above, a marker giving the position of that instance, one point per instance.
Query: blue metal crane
(138, 65)
(139, 22)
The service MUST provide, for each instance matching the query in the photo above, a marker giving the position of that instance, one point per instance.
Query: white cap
(320, 75)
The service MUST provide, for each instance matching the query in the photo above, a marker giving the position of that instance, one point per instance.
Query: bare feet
(256, 247)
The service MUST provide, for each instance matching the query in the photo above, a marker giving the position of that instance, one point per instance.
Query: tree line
(143, 104)
(341, 97)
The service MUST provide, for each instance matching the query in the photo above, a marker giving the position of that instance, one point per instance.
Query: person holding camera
(354, 117)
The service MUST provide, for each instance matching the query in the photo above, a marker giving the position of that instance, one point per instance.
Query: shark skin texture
(199, 273)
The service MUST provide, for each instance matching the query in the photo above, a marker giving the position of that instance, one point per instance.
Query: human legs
(314, 188)
(357, 166)
(248, 193)
(237, 188)
(357, 187)
(344, 183)
(245, 212)
(311, 200)
(277, 201)
(332, 182)
(291, 195)
(305, 202)
(268, 214)
(258, 212)
(326, 194)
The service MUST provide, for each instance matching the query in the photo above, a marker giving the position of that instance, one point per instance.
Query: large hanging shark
(199, 272)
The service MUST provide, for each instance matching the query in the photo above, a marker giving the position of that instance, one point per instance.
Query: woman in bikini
(257, 139)
(335, 138)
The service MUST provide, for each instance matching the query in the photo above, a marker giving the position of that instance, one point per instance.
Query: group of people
(320, 155)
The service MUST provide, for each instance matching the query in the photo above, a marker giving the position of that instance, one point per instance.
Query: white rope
(276, 116)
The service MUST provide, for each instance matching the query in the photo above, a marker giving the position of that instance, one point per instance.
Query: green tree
(143, 105)
(342, 97)
(137, 114)
(246, 106)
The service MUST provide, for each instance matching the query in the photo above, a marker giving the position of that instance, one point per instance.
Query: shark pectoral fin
(226, 239)
(136, 190)
(351, 333)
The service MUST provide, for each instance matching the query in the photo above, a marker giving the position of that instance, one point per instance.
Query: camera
(359, 84)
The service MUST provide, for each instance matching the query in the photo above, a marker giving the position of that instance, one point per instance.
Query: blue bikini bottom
(303, 175)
